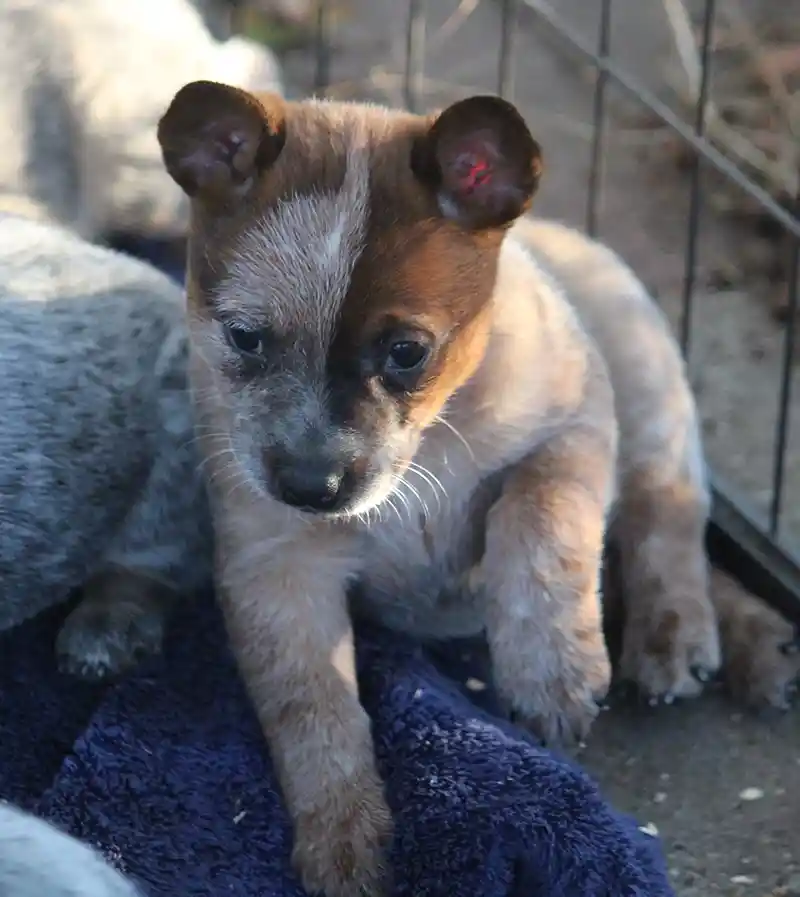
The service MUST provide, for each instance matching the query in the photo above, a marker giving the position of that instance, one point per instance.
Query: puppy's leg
(761, 665)
(670, 643)
(541, 573)
(119, 621)
(290, 629)
(164, 550)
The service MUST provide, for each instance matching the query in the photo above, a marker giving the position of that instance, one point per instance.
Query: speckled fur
(98, 467)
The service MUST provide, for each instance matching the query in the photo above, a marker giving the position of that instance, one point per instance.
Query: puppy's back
(655, 407)
(92, 366)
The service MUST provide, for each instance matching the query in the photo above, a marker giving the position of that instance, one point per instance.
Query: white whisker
(440, 419)
(429, 480)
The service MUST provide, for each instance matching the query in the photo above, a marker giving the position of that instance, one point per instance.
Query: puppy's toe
(97, 643)
(558, 701)
(340, 850)
(670, 654)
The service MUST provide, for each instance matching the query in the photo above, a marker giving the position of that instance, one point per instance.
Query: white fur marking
(296, 263)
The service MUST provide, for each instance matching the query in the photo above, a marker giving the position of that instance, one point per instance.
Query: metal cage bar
(736, 539)
(322, 48)
(598, 119)
(414, 77)
(505, 62)
(787, 369)
(695, 194)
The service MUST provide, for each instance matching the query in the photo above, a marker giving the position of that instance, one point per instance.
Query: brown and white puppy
(403, 414)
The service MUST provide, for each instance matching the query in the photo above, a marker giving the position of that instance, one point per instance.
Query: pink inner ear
(472, 166)
(473, 173)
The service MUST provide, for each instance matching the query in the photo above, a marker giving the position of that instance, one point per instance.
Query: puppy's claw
(703, 674)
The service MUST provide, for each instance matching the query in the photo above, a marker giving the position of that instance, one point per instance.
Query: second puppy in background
(82, 86)
(410, 413)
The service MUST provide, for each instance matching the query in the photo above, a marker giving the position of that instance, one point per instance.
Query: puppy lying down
(414, 408)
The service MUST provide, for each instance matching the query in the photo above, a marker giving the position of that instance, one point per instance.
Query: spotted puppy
(99, 483)
(408, 412)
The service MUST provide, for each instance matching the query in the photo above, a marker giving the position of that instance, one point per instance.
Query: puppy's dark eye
(406, 356)
(404, 362)
(248, 342)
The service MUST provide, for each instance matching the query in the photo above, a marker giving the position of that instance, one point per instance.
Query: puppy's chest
(418, 555)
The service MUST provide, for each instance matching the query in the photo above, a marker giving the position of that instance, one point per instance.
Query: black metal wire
(322, 48)
(649, 100)
(414, 76)
(747, 545)
(505, 71)
(695, 194)
(787, 372)
(598, 118)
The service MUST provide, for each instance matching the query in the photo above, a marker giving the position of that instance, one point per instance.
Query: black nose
(311, 488)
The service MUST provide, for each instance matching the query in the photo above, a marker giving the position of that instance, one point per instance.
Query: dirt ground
(682, 769)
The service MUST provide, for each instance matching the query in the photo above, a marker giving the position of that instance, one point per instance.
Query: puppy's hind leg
(670, 642)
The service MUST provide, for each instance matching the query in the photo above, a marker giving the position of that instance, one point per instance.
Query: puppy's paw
(673, 650)
(761, 660)
(120, 621)
(97, 643)
(340, 848)
(556, 690)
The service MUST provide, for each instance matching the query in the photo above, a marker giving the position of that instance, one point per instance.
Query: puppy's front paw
(340, 847)
(673, 650)
(555, 689)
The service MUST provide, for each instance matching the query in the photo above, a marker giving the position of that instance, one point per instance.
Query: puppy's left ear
(481, 161)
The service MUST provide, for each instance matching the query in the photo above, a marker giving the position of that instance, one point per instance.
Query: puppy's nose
(310, 488)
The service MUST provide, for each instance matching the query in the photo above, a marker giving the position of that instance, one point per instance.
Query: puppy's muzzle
(316, 486)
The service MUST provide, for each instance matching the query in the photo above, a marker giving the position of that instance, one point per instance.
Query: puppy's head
(342, 262)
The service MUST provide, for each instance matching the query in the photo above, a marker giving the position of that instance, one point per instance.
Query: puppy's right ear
(216, 139)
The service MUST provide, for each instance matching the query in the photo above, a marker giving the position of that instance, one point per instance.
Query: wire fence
(747, 543)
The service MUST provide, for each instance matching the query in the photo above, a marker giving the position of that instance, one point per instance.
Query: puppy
(99, 481)
(417, 410)
(39, 860)
(82, 86)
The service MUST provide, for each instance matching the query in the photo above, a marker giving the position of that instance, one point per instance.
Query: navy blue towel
(169, 775)
(172, 780)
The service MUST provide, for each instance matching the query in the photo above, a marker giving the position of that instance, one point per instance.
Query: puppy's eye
(404, 362)
(406, 356)
(248, 342)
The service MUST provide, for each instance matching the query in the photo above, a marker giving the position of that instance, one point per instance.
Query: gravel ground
(719, 786)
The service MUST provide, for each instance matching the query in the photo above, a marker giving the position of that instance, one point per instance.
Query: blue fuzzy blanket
(167, 772)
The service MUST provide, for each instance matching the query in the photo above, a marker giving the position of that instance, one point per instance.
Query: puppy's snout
(319, 487)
